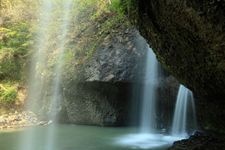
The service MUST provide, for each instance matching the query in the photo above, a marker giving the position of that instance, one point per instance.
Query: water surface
(72, 137)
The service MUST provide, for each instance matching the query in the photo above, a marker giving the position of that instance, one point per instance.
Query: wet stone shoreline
(16, 120)
(201, 141)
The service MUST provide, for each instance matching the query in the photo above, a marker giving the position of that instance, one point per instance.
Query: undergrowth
(17, 31)
(8, 93)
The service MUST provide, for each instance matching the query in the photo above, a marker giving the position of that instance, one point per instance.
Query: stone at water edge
(200, 141)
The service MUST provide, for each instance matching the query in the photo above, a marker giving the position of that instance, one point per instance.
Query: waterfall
(48, 57)
(148, 111)
(184, 106)
(149, 137)
(47, 63)
(36, 86)
(55, 100)
(39, 59)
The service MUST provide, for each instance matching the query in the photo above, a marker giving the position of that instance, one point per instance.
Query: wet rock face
(121, 57)
(116, 103)
(200, 141)
(211, 114)
(102, 92)
(98, 103)
(188, 37)
(166, 99)
(99, 93)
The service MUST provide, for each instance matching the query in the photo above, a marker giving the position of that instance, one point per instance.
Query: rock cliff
(101, 89)
(188, 37)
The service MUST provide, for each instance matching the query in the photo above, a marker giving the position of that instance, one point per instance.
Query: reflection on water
(72, 137)
(147, 140)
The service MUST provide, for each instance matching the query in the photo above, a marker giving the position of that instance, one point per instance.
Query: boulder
(200, 141)
(103, 89)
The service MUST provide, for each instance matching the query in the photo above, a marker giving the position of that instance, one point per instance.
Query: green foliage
(15, 40)
(18, 27)
(95, 20)
(69, 55)
(116, 6)
(8, 93)
(9, 67)
(15, 36)
(13, 49)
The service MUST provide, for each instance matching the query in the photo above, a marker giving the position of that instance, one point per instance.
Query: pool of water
(73, 137)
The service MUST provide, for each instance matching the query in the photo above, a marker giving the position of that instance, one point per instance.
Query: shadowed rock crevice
(188, 39)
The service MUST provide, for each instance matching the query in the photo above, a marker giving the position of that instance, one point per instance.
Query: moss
(96, 21)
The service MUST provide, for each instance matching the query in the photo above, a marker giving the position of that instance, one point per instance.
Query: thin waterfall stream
(39, 67)
(184, 105)
(39, 58)
(149, 136)
(148, 108)
(56, 98)
(55, 101)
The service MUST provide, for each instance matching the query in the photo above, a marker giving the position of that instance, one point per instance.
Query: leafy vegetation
(13, 50)
(103, 15)
(15, 40)
(8, 93)
(18, 25)
(98, 20)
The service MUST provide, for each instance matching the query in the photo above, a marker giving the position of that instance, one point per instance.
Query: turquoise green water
(70, 137)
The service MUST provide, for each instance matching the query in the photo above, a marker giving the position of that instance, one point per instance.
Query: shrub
(8, 94)
(13, 50)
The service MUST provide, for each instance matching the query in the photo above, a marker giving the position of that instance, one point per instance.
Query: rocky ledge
(200, 141)
(16, 120)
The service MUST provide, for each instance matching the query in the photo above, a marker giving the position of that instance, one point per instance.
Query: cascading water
(56, 96)
(149, 137)
(148, 111)
(39, 59)
(38, 65)
(49, 43)
(185, 101)
(55, 101)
